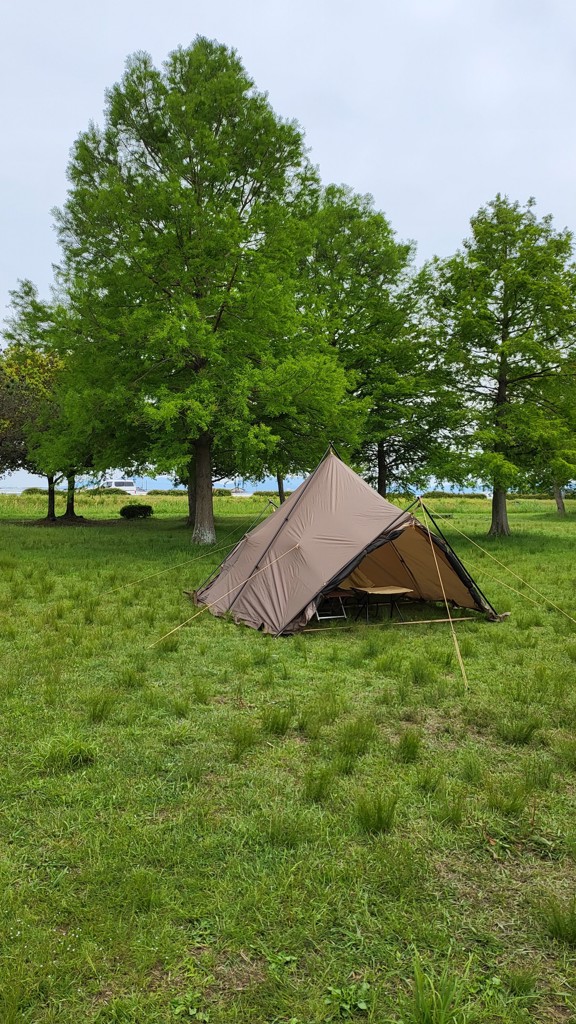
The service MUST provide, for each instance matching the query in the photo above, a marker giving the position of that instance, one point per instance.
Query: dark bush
(136, 511)
(172, 493)
(220, 492)
(35, 490)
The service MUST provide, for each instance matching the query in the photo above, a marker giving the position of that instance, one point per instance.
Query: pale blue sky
(431, 105)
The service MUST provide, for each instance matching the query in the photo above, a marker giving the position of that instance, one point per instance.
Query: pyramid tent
(333, 531)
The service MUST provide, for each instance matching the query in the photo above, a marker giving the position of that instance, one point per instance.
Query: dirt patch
(238, 973)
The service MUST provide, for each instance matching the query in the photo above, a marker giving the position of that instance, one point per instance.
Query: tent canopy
(334, 530)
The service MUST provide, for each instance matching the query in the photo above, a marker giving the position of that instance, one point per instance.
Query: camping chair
(332, 605)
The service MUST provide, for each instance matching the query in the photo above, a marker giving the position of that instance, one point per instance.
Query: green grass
(231, 828)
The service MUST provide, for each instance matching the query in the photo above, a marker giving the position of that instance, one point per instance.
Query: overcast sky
(430, 105)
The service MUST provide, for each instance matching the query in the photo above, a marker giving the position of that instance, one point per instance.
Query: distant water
(15, 483)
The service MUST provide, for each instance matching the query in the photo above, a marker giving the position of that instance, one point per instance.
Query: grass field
(226, 827)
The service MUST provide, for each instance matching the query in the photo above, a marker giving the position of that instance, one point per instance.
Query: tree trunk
(51, 498)
(499, 526)
(382, 470)
(191, 489)
(559, 499)
(70, 512)
(204, 532)
(280, 482)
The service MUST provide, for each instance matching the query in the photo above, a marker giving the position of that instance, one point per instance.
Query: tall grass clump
(276, 721)
(437, 998)
(99, 706)
(537, 772)
(409, 746)
(242, 736)
(66, 754)
(516, 731)
(355, 737)
(559, 919)
(421, 672)
(375, 812)
(508, 797)
(317, 784)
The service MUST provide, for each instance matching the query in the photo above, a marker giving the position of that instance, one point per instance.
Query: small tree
(505, 309)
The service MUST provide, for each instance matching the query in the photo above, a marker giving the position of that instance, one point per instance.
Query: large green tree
(181, 239)
(504, 309)
(362, 293)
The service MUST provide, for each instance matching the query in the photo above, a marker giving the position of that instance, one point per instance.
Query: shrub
(220, 492)
(136, 511)
(35, 490)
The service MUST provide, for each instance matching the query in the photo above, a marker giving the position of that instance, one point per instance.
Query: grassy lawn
(226, 827)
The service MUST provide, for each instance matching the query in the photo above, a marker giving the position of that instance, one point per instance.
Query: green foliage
(438, 997)
(136, 511)
(504, 310)
(347, 1001)
(214, 365)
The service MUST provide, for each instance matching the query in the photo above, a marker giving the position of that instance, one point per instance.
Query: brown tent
(334, 531)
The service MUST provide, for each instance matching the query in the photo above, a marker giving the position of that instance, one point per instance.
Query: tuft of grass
(430, 779)
(99, 706)
(200, 691)
(508, 797)
(437, 997)
(243, 737)
(355, 737)
(537, 772)
(521, 982)
(317, 784)
(285, 829)
(131, 678)
(375, 812)
(518, 732)
(421, 672)
(566, 753)
(276, 720)
(449, 809)
(409, 746)
(66, 754)
(559, 919)
(471, 767)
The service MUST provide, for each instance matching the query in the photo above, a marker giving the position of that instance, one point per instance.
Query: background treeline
(220, 311)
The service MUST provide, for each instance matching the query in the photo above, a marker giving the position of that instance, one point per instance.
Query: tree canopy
(504, 309)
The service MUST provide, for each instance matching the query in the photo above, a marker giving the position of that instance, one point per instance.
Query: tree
(52, 443)
(504, 307)
(362, 294)
(180, 238)
(26, 395)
